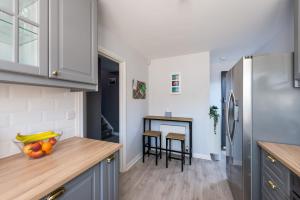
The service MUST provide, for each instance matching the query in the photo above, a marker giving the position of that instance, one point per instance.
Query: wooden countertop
(163, 118)
(22, 178)
(288, 155)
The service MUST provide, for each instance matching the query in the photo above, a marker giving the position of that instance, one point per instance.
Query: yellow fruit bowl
(39, 144)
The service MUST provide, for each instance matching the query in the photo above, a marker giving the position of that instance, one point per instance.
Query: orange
(27, 149)
(47, 147)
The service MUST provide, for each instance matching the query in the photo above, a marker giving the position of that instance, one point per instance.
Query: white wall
(136, 68)
(29, 109)
(283, 40)
(192, 102)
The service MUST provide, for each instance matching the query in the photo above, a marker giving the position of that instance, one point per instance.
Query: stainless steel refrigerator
(261, 104)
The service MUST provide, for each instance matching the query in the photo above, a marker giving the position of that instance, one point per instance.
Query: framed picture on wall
(175, 83)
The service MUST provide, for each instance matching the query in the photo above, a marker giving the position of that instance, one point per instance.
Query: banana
(22, 137)
(36, 137)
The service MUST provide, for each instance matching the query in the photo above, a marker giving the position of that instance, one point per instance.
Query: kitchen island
(74, 162)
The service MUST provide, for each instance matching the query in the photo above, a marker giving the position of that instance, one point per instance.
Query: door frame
(81, 106)
(122, 102)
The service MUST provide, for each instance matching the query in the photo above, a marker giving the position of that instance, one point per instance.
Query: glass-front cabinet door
(24, 36)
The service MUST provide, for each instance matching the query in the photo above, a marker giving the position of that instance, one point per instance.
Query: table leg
(149, 145)
(144, 126)
(191, 141)
(143, 148)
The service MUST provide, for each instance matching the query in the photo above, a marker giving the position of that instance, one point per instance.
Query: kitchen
(49, 53)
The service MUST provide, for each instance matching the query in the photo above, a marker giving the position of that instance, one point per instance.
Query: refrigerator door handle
(231, 132)
(227, 119)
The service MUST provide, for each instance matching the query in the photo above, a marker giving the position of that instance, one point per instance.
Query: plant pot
(215, 156)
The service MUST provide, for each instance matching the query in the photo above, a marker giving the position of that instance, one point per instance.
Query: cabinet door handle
(110, 158)
(272, 185)
(55, 73)
(55, 194)
(271, 159)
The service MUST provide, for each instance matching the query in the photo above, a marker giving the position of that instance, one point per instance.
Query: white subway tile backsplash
(30, 109)
(42, 104)
(4, 91)
(53, 92)
(64, 124)
(18, 91)
(26, 118)
(65, 103)
(4, 120)
(13, 105)
(9, 133)
(53, 115)
(43, 126)
(68, 132)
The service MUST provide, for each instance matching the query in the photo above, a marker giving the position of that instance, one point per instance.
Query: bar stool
(179, 137)
(149, 135)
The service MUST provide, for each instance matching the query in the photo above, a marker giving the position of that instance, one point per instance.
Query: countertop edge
(263, 145)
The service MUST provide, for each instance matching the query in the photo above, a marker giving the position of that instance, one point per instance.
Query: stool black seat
(179, 137)
(149, 135)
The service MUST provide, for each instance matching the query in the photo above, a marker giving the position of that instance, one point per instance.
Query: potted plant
(213, 114)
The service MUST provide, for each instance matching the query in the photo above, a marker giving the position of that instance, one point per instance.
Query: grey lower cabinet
(73, 40)
(275, 179)
(110, 178)
(100, 182)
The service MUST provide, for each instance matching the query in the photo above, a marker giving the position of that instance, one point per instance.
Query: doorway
(103, 106)
(92, 125)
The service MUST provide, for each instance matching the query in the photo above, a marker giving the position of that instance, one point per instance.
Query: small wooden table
(174, 119)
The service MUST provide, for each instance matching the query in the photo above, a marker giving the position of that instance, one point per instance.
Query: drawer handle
(110, 158)
(272, 185)
(55, 194)
(55, 73)
(271, 159)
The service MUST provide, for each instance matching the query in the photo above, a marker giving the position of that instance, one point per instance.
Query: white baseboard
(201, 156)
(133, 161)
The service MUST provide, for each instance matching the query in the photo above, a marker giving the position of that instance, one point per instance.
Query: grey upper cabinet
(24, 36)
(49, 43)
(297, 44)
(73, 43)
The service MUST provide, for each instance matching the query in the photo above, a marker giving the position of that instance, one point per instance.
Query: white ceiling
(163, 28)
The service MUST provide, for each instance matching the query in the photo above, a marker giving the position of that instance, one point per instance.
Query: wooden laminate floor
(204, 180)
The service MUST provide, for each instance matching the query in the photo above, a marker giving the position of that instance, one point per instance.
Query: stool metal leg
(149, 145)
(160, 147)
(143, 148)
(184, 152)
(167, 153)
(156, 152)
(170, 148)
(182, 155)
